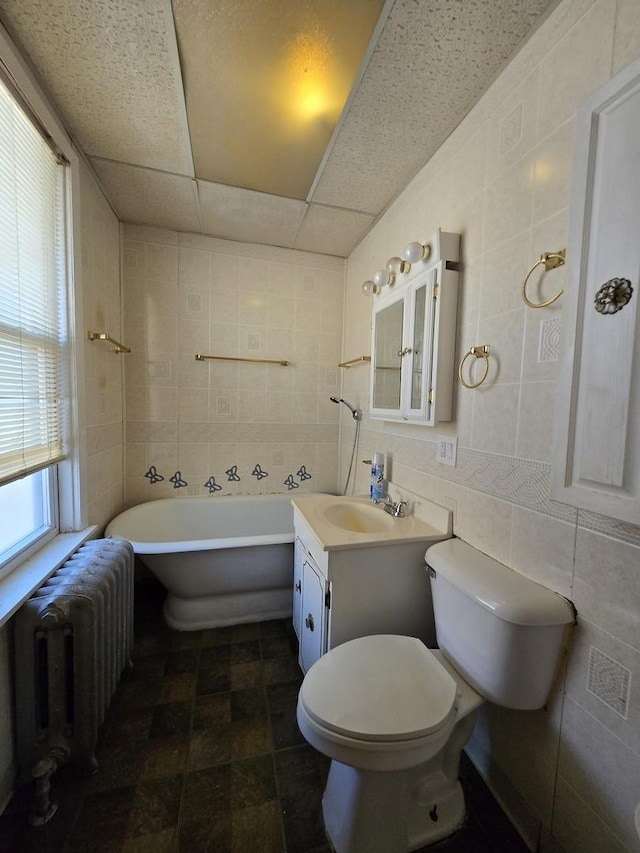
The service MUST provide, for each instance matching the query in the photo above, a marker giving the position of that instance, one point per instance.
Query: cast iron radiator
(73, 640)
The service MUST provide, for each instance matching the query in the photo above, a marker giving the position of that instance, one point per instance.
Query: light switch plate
(447, 450)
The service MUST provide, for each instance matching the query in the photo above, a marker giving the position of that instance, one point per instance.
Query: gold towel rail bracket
(352, 361)
(103, 336)
(551, 261)
(479, 352)
(282, 362)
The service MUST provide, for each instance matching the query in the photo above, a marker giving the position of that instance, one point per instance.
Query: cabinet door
(299, 554)
(597, 463)
(419, 359)
(314, 620)
(388, 331)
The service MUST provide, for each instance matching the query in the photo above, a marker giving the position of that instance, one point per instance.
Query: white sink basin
(357, 517)
(339, 522)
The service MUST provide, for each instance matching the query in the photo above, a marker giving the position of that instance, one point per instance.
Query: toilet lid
(384, 687)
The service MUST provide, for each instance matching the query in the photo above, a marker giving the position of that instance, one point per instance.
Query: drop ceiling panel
(424, 75)
(332, 231)
(112, 68)
(249, 216)
(149, 197)
(265, 83)
(264, 111)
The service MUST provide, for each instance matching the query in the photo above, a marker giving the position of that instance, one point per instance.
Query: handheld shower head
(356, 413)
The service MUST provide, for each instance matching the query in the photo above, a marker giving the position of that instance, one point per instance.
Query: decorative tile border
(233, 476)
(621, 530)
(522, 482)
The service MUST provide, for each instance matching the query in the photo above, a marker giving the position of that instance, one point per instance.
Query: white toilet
(394, 716)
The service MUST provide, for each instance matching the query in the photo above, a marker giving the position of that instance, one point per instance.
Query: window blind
(32, 278)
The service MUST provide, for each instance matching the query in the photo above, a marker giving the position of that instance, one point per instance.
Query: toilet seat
(379, 689)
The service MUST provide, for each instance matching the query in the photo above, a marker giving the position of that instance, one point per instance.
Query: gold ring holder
(551, 261)
(478, 352)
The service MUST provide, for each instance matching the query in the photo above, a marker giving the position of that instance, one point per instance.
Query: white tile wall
(103, 368)
(502, 180)
(187, 294)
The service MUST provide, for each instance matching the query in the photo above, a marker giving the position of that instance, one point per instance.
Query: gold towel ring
(551, 261)
(479, 352)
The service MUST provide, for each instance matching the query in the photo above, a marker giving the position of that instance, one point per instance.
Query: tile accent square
(549, 341)
(511, 129)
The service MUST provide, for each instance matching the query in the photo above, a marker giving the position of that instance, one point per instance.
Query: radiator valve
(44, 809)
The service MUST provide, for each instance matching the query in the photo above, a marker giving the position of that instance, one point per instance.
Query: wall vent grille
(609, 681)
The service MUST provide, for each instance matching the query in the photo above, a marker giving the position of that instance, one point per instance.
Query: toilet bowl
(381, 702)
(394, 716)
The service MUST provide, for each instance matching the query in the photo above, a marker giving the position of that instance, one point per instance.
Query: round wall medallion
(613, 295)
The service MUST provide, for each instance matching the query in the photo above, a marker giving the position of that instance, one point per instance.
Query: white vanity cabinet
(413, 339)
(298, 563)
(596, 463)
(313, 607)
(357, 591)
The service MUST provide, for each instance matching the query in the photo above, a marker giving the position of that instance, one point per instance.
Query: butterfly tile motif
(290, 483)
(153, 476)
(258, 473)
(303, 473)
(232, 474)
(178, 482)
(212, 485)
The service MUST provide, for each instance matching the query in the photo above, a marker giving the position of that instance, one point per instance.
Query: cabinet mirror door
(417, 348)
(387, 358)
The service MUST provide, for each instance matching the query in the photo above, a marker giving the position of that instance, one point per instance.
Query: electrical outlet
(447, 450)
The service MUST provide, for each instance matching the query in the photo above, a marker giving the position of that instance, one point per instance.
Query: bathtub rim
(188, 545)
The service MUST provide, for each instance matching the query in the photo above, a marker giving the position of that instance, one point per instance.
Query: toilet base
(397, 811)
(371, 812)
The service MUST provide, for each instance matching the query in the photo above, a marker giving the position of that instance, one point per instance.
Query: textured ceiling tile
(249, 216)
(431, 64)
(280, 72)
(332, 231)
(112, 67)
(153, 198)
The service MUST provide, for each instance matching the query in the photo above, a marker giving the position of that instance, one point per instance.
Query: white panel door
(597, 458)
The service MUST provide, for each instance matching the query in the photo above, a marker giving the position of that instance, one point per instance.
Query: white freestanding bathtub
(223, 560)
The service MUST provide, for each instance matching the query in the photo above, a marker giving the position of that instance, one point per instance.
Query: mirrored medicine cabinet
(413, 338)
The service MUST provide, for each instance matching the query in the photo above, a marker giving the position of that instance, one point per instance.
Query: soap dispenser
(378, 486)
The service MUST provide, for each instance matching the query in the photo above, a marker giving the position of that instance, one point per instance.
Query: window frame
(35, 564)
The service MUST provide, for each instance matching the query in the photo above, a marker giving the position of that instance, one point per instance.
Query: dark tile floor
(201, 752)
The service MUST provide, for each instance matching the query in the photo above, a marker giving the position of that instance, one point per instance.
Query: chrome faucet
(394, 508)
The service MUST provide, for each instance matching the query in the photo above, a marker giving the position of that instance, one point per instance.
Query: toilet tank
(503, 632)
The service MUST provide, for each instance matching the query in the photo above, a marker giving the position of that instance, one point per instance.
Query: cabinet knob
(298, 586)
(404, 351)
(309, 622)
(613, 296)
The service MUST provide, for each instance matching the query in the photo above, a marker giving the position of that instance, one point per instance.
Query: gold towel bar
(103, 336)
(352, 361)
(551, 261)
(279, 361)
(479, 352)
